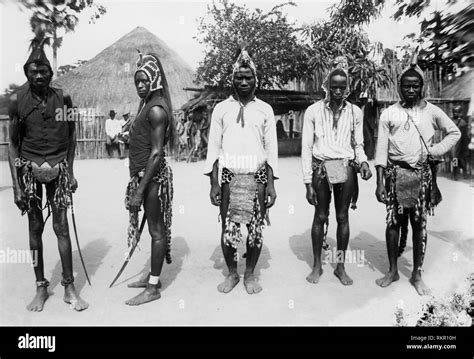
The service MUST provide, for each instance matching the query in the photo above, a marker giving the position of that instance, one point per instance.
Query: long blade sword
(127, 259)
(77, 240)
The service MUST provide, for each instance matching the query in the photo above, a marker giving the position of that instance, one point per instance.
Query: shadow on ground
(219, 263)
(374, 250)
(179, 250)
(93, 253)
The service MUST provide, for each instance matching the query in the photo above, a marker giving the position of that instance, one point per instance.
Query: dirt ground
(189, 294)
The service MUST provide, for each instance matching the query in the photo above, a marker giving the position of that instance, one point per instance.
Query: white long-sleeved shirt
(399, 140)
(325, 142)
(113, 127)
(243, 150)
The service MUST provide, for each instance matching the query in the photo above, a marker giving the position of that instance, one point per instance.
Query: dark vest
(43, 138)
(140, 135)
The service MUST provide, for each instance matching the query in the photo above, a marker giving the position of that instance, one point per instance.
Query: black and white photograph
(218, 163)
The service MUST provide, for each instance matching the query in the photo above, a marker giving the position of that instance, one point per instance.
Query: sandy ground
(189, 294)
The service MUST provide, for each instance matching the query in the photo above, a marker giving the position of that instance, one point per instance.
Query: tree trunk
(55, 55)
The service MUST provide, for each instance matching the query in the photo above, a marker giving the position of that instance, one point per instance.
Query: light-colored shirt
(325, 141)
(243, 150)
(113, 127)
(399, 140)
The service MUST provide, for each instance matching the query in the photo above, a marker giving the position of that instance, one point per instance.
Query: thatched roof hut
(106, 81)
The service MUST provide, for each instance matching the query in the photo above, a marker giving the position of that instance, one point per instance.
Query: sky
(175, 22)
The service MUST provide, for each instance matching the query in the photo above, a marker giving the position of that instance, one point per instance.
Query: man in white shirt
(242, 157)
(406, 174)
(113, 129)
(332, 139)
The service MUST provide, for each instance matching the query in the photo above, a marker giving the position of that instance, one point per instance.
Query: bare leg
(142, 282)
(229, 252)
(36, 226)
(342, 199)
(253, 253)
(419, 231)
(61, 229)
(321, 214)
(121, 150)
(392, 234)
(156, 227)
(108, 145)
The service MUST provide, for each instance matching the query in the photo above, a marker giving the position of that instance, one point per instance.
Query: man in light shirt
(113, 129)
(332, 131)
(242, 164)
(406, 175)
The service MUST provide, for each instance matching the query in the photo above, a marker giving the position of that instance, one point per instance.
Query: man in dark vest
(41, 151)
(151, 178)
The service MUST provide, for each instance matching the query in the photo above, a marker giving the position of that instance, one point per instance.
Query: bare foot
(340, 273)
(142, 283)
(229, 283)
(38, 301)
(420, 286)
(150, 294)
(251, 284)
(72, 298)
(315, 275)
(386, 280)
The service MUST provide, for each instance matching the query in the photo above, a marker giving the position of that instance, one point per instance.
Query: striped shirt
(325, 140)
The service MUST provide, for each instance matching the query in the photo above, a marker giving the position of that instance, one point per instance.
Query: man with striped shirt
(332, 130)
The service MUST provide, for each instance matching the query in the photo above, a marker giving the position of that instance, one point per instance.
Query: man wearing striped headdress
(332, 152)
(151, 178)
(242, 165)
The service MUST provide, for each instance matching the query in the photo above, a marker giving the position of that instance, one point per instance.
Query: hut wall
(90, 134)
(4, 138)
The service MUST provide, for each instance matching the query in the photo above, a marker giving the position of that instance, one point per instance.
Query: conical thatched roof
(106, 81)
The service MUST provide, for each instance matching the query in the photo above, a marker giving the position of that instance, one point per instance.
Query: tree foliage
(449, 39)
(342, 35)
(349, 13)
(51, 16)
(272, 39)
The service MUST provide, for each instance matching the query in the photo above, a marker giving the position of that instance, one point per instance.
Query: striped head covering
(412, 67)
(339, 63)
(149, 65)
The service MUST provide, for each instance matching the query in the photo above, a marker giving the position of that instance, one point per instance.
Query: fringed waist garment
(28, 182)
(164, 178)
(409, 188)
(244, 207)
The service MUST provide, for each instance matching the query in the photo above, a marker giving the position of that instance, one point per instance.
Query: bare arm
(72, 141)
(380, 192)
(13, 153)
(215, 194)
(159, 122)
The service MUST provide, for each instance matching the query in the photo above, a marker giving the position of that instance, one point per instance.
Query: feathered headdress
(149, 65)
(37, 55)
(244, 60)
